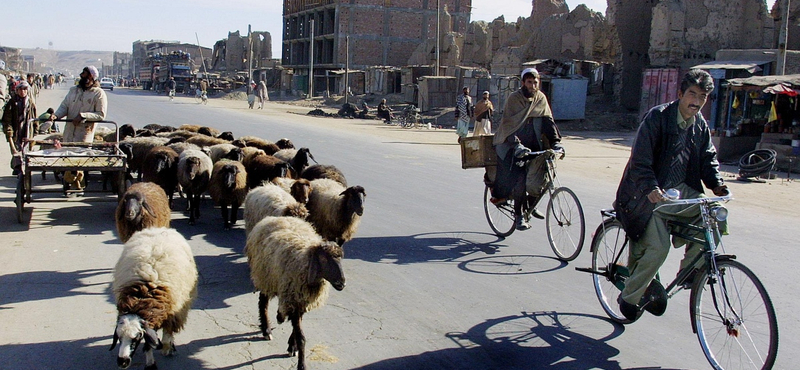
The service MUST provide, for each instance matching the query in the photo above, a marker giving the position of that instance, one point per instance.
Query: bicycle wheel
(20, 198)
(501, 216)
(734, 318)
(610, 261)
(565, 224)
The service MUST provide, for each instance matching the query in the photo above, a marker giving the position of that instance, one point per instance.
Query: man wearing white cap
(84, 105)
(527, 125)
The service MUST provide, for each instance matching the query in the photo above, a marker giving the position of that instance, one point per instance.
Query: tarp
(780, 89)
(749, 66)
(764, 81)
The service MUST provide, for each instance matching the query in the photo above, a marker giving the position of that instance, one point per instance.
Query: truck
(179, 66)
(148, 72)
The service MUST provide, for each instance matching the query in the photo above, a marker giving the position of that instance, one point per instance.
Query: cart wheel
(20, 200)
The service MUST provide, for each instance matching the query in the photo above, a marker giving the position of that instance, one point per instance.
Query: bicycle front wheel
(565, 224)
(610, 265)
(500, 216)
(734, 318)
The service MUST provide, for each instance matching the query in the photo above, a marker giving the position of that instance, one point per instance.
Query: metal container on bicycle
(478, 152)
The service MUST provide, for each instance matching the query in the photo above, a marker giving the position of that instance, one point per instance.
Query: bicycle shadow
(540, 340)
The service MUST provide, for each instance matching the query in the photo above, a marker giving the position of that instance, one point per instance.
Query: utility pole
(346, 68)
(311, 63)
(249, 60)
(783, 39)
(438, 27)
(202, 60)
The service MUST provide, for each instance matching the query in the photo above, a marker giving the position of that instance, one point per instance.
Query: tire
(20, 198)
(747, 309)
(610, 261)
(566, 228)
(500, 218)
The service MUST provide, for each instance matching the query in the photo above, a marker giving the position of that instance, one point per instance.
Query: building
(121, 65)
(381, 32)
(143, 49)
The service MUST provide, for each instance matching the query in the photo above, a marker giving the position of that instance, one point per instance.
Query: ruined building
(381, 32)
(232, 53)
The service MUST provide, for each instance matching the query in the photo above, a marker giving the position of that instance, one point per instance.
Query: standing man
(33, 92)
(171, 84)
(261, 94)
(84, 104)
(672, 149)
(16, 118)
(527, 125)
(464, 111)
(483, 116)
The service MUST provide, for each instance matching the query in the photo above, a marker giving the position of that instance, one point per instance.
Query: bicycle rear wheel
(500, 216)
(610, 263)
(19, 200)
(734, 318)
(565, 224)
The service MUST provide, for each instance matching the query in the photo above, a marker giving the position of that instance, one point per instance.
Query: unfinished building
(232, 53)
(381, 33)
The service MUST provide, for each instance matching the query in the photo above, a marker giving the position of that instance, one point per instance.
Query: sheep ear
(114, 340)
(148, 209)
(151, 337)
(314, 267)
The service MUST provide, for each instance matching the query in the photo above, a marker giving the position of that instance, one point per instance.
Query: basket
(478, 152)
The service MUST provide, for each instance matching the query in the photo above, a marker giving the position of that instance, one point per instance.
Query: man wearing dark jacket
(672, 149)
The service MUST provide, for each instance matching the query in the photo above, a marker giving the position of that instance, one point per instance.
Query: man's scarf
(518, 110)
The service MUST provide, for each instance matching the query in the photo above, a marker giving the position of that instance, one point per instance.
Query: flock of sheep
(297, 217)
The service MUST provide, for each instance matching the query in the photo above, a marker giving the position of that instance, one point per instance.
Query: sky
(103, 25)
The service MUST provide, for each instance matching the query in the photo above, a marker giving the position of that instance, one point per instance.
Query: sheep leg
(167, 343)
(234, 212)
(224, 208)
(263, 318)
(150, 361)
(299, 341)
(191, 202)
(196, 204)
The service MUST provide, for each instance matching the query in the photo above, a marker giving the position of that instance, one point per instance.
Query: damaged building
(232, 53)
(144, 49)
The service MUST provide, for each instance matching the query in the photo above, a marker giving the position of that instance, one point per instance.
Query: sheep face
(126, 130)
(130, 332)
(163, 161)
(301, 189)
(327, 264)
(135, 208)
(227, 135)
(355, 196)
(229, 173)
(192, 167)
(285, 144)
(235, 155)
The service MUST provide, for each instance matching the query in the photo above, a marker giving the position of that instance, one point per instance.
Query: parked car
(107, 83)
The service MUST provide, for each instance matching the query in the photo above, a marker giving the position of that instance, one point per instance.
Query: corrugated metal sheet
(749, 66)
(659, 86)
(793, 80)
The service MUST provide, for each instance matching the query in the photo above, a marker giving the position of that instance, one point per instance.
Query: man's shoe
(537, 214)
(631, 312)
(522, 224)
(497, 201)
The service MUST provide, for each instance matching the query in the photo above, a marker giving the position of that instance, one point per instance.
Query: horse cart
(48, 154)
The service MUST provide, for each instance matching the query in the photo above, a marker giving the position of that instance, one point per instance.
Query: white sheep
(299, 189)
(225, 151)
(154, 284)
(289, 260)
(335, 211)
(194, 176)
(269, 200)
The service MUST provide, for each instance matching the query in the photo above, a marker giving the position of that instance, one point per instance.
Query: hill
(68, 62)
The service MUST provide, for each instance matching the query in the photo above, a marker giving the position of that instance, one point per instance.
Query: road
(429, 285)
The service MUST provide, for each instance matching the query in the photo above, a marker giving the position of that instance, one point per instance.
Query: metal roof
(750, 66)
(793, 80)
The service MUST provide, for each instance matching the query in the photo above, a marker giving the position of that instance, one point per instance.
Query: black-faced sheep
(226, 135)
(262, 168)
(324, 171)
(194, 176)
(161, 167)
(252, 141)
(285, 144)
(225, 151)
(125, 131)
(299, 189)
(335, 211)
(270, 200)
(290, 261)
(144, 205)
(297, 159)
(228, 187)
(140, 147)
(154, 284)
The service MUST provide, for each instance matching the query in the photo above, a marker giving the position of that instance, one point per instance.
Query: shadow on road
(43, 285)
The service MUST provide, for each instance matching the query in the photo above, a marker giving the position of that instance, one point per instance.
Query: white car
(107, 83)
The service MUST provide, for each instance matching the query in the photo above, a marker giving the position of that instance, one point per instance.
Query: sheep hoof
(191, 222)
(168, 350)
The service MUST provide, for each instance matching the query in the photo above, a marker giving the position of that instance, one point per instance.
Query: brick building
(382, 32)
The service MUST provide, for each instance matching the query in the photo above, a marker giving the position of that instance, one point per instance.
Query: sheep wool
(335, 211)
(269, 200)
(144, 205)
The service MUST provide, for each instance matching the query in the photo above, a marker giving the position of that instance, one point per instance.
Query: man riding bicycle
(672, 149)
(527, 126)
(171, 87)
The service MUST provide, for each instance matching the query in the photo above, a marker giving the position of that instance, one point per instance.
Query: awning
(749, 66)
(780, 89)
(764, 81)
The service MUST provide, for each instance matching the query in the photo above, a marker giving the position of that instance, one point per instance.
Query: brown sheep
(205, 140)
(143, 205)
(161, 167)
(228, 187)
(262, 168)
(324, 171)
(252, 141)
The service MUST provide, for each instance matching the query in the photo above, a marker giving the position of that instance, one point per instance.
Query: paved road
(429, 285)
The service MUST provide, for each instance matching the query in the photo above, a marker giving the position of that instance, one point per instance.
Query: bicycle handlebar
(532, 155)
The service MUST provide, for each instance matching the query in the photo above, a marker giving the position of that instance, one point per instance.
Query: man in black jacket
(672, 149)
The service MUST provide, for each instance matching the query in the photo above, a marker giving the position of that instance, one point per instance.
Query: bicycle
(171, 94)
(409, 117)
(731, 312)
(200, 97)
(564, 219)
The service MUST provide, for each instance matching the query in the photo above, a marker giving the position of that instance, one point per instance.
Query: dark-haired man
(84, 104)
(672, 149)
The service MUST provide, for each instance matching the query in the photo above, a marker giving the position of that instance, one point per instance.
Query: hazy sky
(114, 25)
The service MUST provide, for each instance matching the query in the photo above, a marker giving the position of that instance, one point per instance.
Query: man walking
(464, 112)
(483, 116)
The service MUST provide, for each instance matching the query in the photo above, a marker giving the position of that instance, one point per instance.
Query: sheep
(250, 151)
(143, 205)
(178, 133)
(205, 140)
(324, 171)
(225, 151)
(290, 261)
(194, 175)
(270, 200)
(265, 145)
(297, 159)
(335, 211)
(142, 145)
(205, 130)
(284, 144)
(299, 189)
(262, 168)
(228, 187)
(180, 147)
(124, 131)
(154, 284)
(226, 135)
(161, 167)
